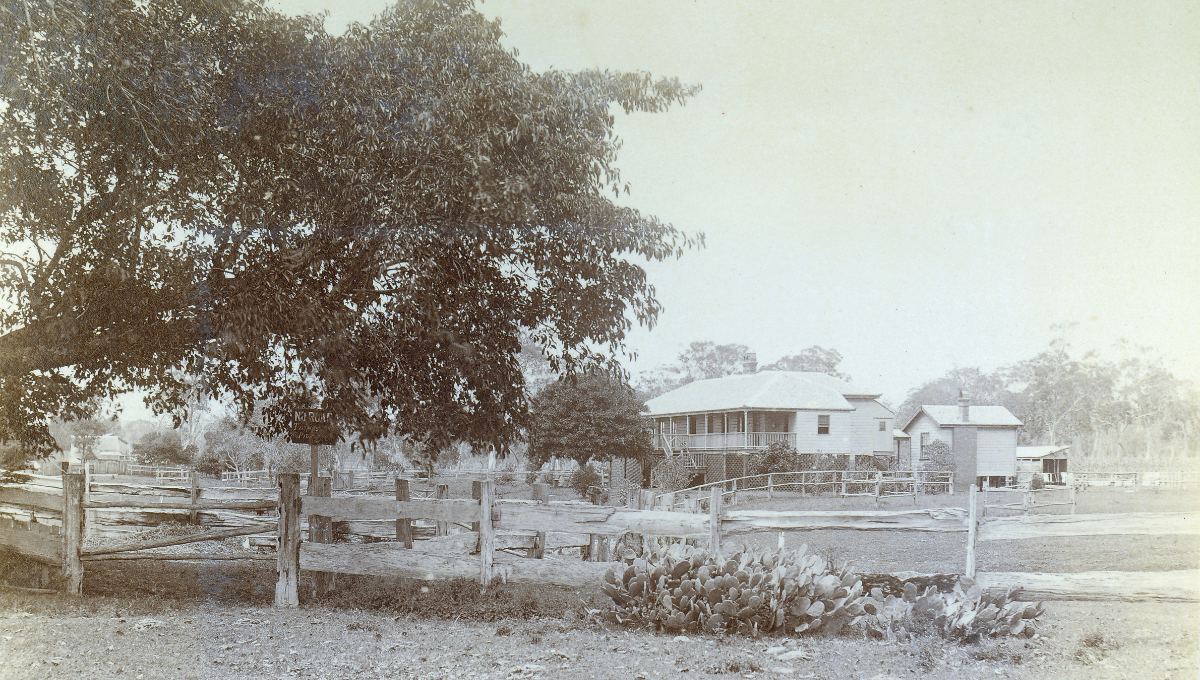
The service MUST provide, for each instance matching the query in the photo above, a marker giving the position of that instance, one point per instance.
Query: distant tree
(815, 359)
(700, 361)
(163, 448)
(980, 387)
(84, 434)
(593, 418)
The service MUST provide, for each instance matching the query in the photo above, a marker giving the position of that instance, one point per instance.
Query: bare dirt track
(1084, 640)
(183, 620)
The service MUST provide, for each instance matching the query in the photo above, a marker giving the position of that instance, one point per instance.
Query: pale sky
(919, 186)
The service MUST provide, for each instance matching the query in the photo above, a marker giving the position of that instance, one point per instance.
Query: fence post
(320, 530)
(87, 490)
(714, 517)
(541, 494)
(403, 526)
(287, 592)
(194, 516)
(476, 494)
(74, 521)
(1071, 497)
(950, 484)
(878, 488)
(770, 487)
(972, 521)
(442, 493)
(487, 533)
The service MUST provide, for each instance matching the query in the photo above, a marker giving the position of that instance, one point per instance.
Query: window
(883, 426)
(924, 443)
(822, 424)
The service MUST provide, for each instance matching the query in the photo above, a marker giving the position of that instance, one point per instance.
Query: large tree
(593, 418)
(205, 197)
(815, 359)
(700, 361)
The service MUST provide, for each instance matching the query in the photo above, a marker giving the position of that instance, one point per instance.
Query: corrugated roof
(793, 390)
(1039, 451)
(978, 415)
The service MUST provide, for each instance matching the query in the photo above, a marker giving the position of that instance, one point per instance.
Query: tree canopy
(211, 198)
(706, 360)
(593, 418)
(1108, 410)
(815, 359)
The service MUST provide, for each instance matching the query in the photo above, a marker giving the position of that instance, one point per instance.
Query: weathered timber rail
(508, 538)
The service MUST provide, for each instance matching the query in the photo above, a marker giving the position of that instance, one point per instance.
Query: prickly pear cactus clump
(682, 588)
(966, 614)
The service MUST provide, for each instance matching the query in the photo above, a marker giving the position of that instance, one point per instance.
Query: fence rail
(507, 537)
(876, 483)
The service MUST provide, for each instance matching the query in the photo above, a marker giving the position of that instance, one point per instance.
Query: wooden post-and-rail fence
(506, 534)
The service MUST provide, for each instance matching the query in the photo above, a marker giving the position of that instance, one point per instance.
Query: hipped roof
(783, 390)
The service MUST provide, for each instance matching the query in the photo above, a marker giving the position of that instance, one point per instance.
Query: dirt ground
(180, 620)
(1083, 640)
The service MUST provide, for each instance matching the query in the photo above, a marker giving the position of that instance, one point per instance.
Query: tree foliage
(593, 418)
(706, 360)
(1123, 410)
(815, 359)
(209, 198)
(700, 361)
(163, 448)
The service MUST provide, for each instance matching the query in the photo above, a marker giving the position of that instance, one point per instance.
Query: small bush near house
(584, 478)
(778, 457)
(1037, 482)
(939, 456)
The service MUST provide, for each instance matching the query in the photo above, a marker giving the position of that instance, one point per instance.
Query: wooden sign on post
(313, 426)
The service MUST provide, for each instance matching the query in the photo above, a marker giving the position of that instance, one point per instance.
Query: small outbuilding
(1048, 461)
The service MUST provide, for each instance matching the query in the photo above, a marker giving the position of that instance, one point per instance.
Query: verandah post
(74, 520)
(287, 588)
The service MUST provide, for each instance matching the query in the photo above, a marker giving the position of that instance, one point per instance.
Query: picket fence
(508, 539)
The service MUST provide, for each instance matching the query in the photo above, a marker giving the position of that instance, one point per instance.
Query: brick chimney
(964, 407)
(749, 363)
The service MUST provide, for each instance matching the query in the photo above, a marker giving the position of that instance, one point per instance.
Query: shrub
(584, 478)
(939, 456)
(506, 477)
(679, 587)
(778, 457)
(531, 478)
(1037, 482)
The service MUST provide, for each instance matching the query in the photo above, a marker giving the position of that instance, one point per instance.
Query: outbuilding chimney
(749, 363)
(964, 407)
